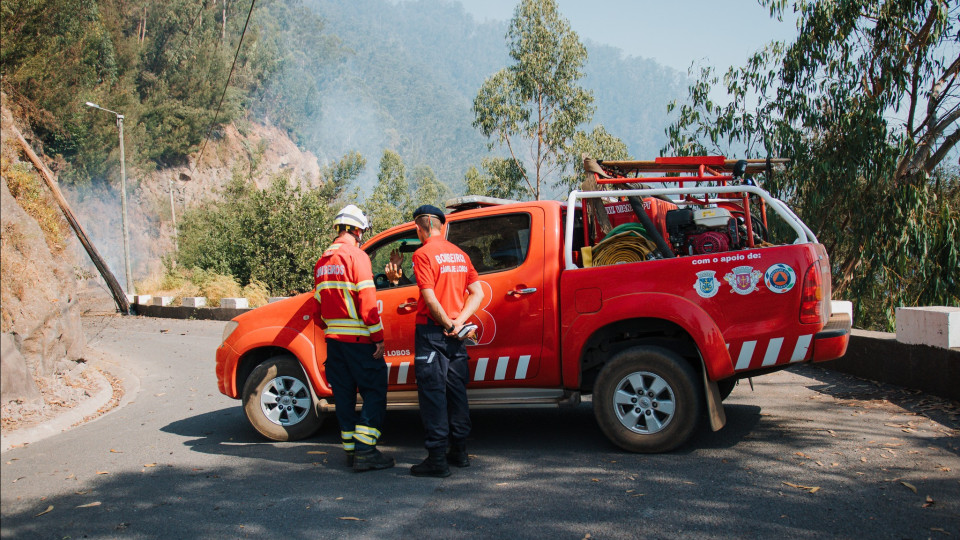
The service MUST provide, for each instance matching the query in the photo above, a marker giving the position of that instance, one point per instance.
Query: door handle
(526, 290)
(407, 306)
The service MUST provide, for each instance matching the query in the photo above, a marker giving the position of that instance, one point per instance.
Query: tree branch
(942, 152)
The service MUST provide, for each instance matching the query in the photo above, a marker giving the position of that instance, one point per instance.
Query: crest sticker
(743, 279)
(706, 285)
(780, 278)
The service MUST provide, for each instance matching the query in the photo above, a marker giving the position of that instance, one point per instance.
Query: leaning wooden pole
(118, 295)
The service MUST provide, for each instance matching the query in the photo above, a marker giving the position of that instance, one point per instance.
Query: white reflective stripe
(522, 367)
(366, 284)
(502, 364)
(348, 323)
(351, 308)
(746, 353)
(343, 285)
(481, 369)
(376, 328)
(800, 351)
(773, 351)
(402, 373)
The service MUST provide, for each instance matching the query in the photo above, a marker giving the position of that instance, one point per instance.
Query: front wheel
(278, 402)
(646, 399)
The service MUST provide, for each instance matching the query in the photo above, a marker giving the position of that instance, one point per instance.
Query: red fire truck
(653, 290)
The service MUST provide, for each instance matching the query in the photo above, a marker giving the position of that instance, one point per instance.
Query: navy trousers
(351, 368)
(440, 364)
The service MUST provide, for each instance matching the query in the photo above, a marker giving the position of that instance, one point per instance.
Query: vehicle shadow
(495, 431)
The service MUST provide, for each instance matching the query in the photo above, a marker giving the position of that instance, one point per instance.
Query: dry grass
(180, 283)
(256, 292)
(26, 187)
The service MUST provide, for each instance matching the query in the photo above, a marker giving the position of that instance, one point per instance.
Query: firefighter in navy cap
(449, 294)
(354, 336)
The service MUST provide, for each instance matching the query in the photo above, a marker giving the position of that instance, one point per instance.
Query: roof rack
(705, 168)
(469, 202)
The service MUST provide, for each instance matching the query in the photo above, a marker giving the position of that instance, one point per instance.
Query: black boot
(457, 454)
(435, 465)
(369, 458)
(350, 458)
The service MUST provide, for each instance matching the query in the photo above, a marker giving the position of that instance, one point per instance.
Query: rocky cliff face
(41, 332)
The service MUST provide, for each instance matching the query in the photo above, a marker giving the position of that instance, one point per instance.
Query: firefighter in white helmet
(354, 336)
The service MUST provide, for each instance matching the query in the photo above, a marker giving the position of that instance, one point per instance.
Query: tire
(669, 411)
(278, 402)
(726, 387)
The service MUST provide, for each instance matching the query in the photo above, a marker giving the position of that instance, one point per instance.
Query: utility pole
(123, 200)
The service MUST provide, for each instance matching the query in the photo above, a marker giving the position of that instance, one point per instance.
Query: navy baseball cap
(430, 210)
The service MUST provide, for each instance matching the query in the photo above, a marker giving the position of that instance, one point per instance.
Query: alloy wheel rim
(285, 401)
(644, 402)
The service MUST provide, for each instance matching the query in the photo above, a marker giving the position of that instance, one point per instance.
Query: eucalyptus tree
(501, 178)
(390, 202)
(536, 102)
(865, 102)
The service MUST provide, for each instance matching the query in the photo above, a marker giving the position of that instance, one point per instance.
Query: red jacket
(347, 297)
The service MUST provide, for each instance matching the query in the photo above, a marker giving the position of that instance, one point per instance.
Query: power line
(227, 85)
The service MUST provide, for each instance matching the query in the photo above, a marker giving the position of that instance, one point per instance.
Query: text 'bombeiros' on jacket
(344, 288)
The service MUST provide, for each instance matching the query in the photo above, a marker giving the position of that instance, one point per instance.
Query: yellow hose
(624, 247)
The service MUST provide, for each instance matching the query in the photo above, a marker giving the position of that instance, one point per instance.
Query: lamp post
(123, 199)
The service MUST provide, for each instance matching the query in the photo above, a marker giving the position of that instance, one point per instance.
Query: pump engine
(701, 231)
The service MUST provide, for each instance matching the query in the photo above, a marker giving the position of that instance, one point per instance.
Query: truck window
(403, 244)
(493, 243)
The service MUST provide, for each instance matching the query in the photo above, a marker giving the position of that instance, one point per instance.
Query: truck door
(398, 305)
(510, 263)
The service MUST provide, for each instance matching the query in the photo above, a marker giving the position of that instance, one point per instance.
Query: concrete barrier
(194, 301)
(234, 303)
(937, 326)
(881, 357)
(162, 300)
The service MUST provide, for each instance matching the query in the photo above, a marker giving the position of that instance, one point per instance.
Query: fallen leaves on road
(910, 486)
(316, 452)
(149, 464)
(929, 502)
(115, 451)
(350, 518)
(809, 489)
(103, 472)
(90, 505)
(49, 509)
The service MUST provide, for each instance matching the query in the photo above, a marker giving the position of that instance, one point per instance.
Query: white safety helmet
(352, 216)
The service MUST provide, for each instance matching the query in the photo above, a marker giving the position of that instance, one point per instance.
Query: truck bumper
(831, 342)
(225, 377)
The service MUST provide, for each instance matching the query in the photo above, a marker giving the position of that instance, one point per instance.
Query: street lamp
(123, 199)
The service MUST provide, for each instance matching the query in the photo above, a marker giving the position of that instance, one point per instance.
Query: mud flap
(718, 418)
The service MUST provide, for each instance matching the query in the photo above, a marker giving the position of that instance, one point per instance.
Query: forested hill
(337, 75)
(412, 70)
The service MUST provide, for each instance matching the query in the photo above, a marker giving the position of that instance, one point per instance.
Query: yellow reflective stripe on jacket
(344, 322)
(343, 285)
(341, 331)
(376, 328)
(348, 303)
(367, 284)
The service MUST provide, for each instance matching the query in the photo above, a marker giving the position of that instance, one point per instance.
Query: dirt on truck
(653, 289)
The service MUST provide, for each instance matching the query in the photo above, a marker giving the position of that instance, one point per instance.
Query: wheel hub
(644, 402)
(285, 401)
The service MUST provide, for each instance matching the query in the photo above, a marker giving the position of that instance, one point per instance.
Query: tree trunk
(118, 295)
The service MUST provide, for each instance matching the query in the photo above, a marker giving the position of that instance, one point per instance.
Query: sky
(674, 33)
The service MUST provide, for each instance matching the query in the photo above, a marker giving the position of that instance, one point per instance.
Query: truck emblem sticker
(706, 285)
(743, 279)
(780, 278)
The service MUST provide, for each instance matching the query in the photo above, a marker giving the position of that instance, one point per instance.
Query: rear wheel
(646, 399)
(278, 402)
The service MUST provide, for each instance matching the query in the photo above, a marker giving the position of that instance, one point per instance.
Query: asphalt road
(808, 454)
